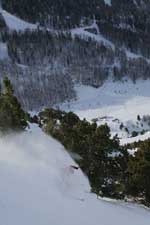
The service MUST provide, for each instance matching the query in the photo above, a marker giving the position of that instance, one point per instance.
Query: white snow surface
(108, 2)
(120, 101)
(143, 137)
(123, 100)
(38, 187)
(15, 23)
(3, 51)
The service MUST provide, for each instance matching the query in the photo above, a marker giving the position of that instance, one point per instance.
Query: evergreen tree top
(8, 88)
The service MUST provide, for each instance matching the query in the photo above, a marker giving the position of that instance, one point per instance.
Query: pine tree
(12, 116)
(8, 88)
(139, 170)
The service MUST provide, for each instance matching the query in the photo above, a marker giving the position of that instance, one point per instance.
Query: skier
(74, 167)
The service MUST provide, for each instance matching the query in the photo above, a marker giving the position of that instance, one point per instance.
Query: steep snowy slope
(38, 187)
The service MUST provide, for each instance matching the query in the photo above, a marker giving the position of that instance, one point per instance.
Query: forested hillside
(57, 13)
(124, 22)
(72, 42)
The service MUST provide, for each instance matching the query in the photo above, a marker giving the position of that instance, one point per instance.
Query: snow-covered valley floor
(38, 188)
(113, 103)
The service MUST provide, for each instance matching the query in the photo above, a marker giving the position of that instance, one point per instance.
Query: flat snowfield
(113, 102)
(122, 100)
(38, 187)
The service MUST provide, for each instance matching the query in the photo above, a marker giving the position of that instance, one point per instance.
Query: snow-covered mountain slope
(38, 187)
(84, 33)
(59, 61)
(14, 23)
(114, 103)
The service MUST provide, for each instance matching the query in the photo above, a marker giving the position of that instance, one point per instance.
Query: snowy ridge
(15, 23)
(38, 187)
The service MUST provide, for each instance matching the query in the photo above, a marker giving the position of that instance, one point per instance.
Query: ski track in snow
(37, 187)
